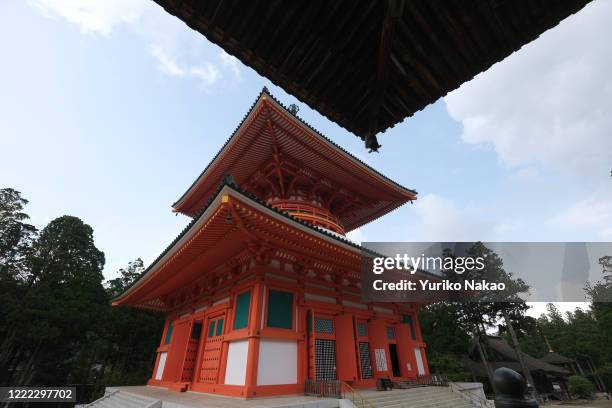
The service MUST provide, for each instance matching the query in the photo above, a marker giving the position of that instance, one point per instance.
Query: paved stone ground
(601, 403)
(201, 400)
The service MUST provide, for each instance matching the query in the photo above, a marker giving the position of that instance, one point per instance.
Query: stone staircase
(120, 399)
(420, 397)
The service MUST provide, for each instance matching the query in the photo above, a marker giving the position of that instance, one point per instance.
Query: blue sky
(109, 109)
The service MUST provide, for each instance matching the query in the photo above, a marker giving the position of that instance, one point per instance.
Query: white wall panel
(235, 371)
(277, 362)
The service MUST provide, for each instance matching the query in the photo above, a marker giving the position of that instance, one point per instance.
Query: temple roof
(509, 358)
(270, 127)
(556, 358)
(181, 263)
(364, 64)
(207, 241)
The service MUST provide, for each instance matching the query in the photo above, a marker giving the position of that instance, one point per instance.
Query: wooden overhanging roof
(367, 64)
(267, 124)
(210, 241)
(556, 358)
(509, 356)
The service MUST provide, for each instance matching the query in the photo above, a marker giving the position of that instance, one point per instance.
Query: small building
(549, 379)
(261, 291)
(566, 363)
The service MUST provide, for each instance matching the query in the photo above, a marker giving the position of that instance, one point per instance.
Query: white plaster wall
(419, 361)
(277, 362)
(160, 367)
(235, 372)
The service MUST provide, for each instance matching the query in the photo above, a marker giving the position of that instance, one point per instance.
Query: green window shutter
(196, 331)
(280, 309)
(211, 329)
(243, 306)
(168, 334)
(408, 319)
(219, 327)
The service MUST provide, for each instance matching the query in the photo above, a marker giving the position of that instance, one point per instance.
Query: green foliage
(606, 375)
(450, 365)
(580, 386)
(57, 325)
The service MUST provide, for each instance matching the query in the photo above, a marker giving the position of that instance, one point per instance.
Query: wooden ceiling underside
(367, 64)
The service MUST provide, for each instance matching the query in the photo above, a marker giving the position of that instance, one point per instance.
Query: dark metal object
(384, 384)
(511, 388)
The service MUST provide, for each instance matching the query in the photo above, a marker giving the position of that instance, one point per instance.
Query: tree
(486, 308)
(16, 238)
(62, 307)
(133, 335)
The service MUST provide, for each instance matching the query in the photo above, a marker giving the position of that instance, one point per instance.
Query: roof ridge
(266, 92)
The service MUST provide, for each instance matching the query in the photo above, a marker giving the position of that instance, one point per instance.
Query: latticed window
(324, 325)
(280, 309)
(243, 306)
(390, 333)
(211, 328)
(364, 359)
(325, 359)
(362, 329)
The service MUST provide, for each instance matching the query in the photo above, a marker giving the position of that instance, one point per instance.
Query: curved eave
(302, 134)
(199, 224)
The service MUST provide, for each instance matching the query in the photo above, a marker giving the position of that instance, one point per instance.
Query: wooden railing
(355, 396)
(470, 396)
(424, 380)
(323, 388)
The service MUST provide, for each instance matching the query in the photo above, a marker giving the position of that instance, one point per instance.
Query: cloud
(591, 214)
(549, 103)
(230, 62)
(166, 63)
(440, 219)
(207, 73)
(357, 236)
(179, 51)
(94, 16)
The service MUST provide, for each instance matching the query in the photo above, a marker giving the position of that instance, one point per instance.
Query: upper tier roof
(269, 125)
(368, 64)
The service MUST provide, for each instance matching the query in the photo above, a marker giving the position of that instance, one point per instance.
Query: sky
(109, 109)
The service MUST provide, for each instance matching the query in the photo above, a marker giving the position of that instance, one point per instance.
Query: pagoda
(261, 291)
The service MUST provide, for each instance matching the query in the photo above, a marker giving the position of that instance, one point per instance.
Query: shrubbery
(580, 387)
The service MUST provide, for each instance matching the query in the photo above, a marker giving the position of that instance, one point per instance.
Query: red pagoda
(261, 291)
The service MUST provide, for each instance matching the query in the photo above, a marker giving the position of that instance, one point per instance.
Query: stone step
(422, 397)
(122, 399)
(410, 396)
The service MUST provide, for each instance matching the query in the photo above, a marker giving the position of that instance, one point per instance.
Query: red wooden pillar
(381, 364)
(255, 313)
(346, 355)
(405, 350)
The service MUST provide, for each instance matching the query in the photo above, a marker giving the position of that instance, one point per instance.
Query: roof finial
(293, 109)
